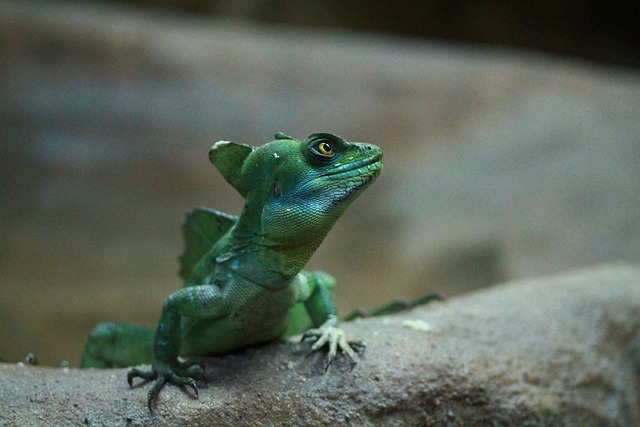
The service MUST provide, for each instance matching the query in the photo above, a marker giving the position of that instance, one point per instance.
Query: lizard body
(244, 282)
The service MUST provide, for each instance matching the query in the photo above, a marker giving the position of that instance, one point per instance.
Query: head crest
(229, 158)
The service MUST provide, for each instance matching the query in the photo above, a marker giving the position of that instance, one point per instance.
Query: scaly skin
(244, 282)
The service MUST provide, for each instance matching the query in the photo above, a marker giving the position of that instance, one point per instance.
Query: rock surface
(557, 350)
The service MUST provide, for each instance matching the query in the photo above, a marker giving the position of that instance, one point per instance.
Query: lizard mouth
(360, 168)
(351, 178)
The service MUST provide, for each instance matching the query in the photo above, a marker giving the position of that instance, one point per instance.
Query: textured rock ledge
(558, 350)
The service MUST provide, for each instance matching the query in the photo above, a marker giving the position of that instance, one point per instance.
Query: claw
(193, 386)
(153, 393)
(182, 376)
(195, 390)
(327, 363)
(336, 339)
(170, 378)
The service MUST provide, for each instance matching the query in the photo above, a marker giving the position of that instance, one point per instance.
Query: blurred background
(511, 133)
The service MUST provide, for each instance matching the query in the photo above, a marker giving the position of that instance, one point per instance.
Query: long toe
(139, 373)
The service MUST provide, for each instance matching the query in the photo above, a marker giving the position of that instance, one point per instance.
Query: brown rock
(558, 350)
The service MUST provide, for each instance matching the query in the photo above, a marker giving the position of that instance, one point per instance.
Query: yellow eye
(325, 148)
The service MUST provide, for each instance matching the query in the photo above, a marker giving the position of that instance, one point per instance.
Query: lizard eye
(325, 147)
(322, 149)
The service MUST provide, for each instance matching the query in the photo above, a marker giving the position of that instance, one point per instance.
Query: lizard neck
(288, 260)
(270, 264)
(262, 259)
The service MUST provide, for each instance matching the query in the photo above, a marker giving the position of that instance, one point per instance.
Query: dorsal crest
(201, 230)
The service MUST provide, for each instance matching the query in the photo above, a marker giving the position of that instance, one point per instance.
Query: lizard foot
(336, 339)
(181, 374)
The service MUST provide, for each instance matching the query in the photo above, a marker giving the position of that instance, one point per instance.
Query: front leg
(201, 302)
(321, 307)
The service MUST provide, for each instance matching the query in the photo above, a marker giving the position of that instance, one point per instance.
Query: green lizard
(243, 275)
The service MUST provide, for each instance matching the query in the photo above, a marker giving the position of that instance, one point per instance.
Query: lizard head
(300, 188)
